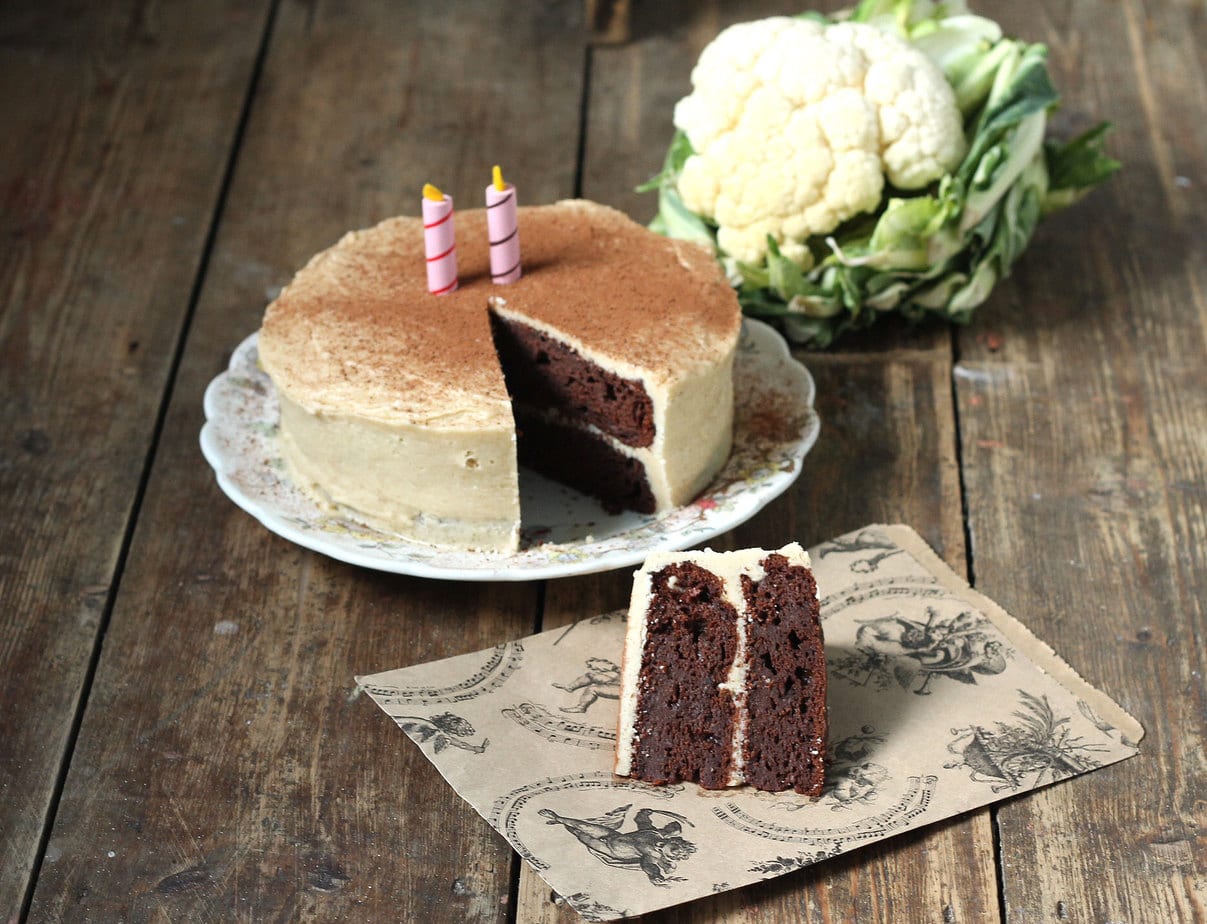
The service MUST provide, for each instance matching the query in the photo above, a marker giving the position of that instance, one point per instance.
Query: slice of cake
(724, 676)
(615, 346)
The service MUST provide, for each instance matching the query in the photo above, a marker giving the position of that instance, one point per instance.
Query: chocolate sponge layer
(685, 720)
(584, 461)
(544, 373)
(786, 680)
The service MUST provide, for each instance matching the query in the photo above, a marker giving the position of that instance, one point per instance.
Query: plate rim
(766, 339)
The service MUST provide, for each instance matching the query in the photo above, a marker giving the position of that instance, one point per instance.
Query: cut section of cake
(724, 676)
(615, 347)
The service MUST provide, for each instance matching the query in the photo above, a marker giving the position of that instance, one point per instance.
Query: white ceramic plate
(563, 532)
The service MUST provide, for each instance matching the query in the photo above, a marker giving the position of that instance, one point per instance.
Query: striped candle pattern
(439, 241)
(502, 225)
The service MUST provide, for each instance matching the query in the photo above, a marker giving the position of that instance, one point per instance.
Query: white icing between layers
(630, 670)
(729, 567)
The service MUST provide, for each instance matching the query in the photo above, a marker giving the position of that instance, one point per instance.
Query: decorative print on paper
(882, 591)
(1034, 747)
(654, 849)
(442, 730)
(600, 679)
(851, 778)
(770, 869)
(939, 702)
(506, 810)
(872, 547)
(621, 615)
(912, 803)
(559, 730)
(913, 652)
(1105, 727)
(503, 661)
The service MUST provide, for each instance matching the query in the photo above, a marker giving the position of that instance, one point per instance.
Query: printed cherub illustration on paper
(656, 851)
(913, 652)
(601, 680)
(867, 540)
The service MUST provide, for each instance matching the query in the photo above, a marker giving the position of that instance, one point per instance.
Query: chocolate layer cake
(616, 346)
(724, 677)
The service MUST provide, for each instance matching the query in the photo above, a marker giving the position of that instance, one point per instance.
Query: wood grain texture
(1083, 406)
(886, 454)
(608, 20)
(119, 120)
(226, 768)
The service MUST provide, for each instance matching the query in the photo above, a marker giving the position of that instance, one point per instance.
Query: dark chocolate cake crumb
(584, 461)
(686, 720)
(786, 680)
(545, 373)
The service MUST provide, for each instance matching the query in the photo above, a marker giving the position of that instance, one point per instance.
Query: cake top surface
(730, 567)
(356, 331)
(729, 564)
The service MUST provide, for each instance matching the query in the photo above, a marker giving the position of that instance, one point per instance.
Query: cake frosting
(394, 402)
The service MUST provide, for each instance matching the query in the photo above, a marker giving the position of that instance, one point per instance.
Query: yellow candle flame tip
(497, 174)
(431, 192)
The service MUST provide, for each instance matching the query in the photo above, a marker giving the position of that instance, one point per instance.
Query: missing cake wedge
(724, 676)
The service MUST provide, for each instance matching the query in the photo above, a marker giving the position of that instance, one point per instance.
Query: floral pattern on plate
(564, 532)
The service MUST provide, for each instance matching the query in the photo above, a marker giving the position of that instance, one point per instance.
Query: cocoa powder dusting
(770, 418)
(359, 314)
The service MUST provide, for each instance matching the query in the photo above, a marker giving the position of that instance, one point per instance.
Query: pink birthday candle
(503, 227)
(439, 241)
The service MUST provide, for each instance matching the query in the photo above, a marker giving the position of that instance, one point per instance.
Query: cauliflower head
(796, 124)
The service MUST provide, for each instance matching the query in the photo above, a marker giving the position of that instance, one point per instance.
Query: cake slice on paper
(724, 676)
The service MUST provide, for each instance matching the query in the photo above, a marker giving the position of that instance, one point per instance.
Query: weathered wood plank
(608, 21)
(119, 120)
(224, 759)
(1084, 431)
(886, 454)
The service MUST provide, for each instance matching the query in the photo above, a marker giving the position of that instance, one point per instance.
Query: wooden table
(180, 737)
